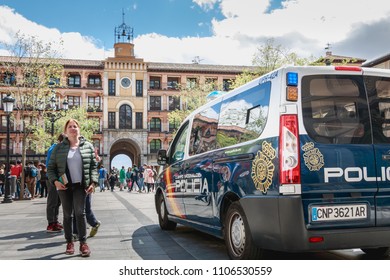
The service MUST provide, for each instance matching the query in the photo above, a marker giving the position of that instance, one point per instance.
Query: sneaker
(69, 248)
(58, 226)
(52, 228)
(84, 250)
(94, 229)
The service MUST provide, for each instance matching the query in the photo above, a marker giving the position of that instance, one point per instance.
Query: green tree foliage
(192, 97)
(269, 57)
(32, 68)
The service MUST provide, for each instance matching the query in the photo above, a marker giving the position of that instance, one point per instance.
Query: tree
(33, 70)
(192, 97)
(269, 57)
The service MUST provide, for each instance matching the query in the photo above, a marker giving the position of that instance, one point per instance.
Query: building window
(173, 83)
(94, 81)
(173, 125)
(174, 103)
(125, 118)
(227, 83)
(138, 120)
(139, 88)
(111, 87)
(155, 83)
(8, 78)
(111, 120)
(155, 103)
(211, 84)
(155, 145)
(94, 103)
(73, 101)
(155, 124)
(74, 80)
(191, 83)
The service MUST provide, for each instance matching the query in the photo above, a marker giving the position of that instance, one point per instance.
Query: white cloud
(354, 28)
(74, 44)
(205, 4)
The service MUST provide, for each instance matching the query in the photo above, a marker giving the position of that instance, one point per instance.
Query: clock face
(125, 82)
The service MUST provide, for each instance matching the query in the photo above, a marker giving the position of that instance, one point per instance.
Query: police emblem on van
(314, 160)
(263, 167)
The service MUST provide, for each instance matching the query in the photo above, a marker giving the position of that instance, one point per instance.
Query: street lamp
(8, 106)
(54, 116)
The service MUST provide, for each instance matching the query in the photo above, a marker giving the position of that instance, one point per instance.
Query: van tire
(377, 252)
(165, 224)
(238, 239)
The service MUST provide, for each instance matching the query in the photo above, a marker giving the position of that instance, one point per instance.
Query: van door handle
(386, 157)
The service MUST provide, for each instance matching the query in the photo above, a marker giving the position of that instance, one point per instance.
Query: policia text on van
(296, 160)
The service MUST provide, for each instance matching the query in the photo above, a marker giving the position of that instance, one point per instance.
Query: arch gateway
(131, 144)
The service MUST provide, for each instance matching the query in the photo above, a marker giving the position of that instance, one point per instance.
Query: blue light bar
(292, 79)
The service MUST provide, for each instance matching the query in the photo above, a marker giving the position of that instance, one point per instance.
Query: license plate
(338, 212)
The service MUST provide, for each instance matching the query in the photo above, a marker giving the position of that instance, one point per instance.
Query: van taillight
(289, 150)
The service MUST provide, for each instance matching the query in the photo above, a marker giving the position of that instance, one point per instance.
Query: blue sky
(218, 31)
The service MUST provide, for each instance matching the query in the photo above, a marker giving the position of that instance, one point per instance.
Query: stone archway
(126, 147)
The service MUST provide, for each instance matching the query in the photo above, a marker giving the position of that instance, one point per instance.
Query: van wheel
(165, 224)
(377, 252)
(238, 239)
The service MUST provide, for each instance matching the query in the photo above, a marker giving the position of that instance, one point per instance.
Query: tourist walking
(73, 170)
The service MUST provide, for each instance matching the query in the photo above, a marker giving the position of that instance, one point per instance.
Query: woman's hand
(90, 188)
(59, 186)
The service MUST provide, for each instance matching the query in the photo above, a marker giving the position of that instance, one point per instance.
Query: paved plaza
(129, 231)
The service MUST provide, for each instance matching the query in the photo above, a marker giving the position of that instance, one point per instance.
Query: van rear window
(335, 109)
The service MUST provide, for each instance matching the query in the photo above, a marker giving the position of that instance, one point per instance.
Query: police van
(296, 160)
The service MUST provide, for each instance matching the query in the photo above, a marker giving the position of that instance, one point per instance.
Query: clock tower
(125, 101)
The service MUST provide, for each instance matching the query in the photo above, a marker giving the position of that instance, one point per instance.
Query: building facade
(130, 98)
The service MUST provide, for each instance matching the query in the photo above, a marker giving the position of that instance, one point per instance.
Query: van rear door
(378, 89)
(339, 174)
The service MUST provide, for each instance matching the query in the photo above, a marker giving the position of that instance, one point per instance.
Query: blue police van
(296, 160)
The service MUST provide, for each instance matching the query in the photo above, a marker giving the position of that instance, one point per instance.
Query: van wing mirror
(162, 157)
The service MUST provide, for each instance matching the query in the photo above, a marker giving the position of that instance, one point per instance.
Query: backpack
(30, 171)
(33, 172)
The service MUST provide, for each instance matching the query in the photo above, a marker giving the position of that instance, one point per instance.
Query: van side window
(177, 150)
(335, 109)
(204, 130)
(378, 90)
(243, 116)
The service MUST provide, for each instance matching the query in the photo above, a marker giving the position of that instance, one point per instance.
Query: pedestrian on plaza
(38, 178)
(30, 175)
(128, 178)
(122, 178)
(112, 180)
(53, 201)
(73, 170)
(2, 179)
(154, 178)
(148, 175)
(141, 178)
(102, 178)
(43, 180)
(134, 179)
(16, 169)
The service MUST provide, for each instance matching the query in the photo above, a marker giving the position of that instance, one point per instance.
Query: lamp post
(8, 103)
(54, 116)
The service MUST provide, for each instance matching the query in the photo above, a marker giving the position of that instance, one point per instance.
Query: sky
(227, 32)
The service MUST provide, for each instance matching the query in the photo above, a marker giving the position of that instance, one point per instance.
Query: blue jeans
(101, 184)
(73, 199)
